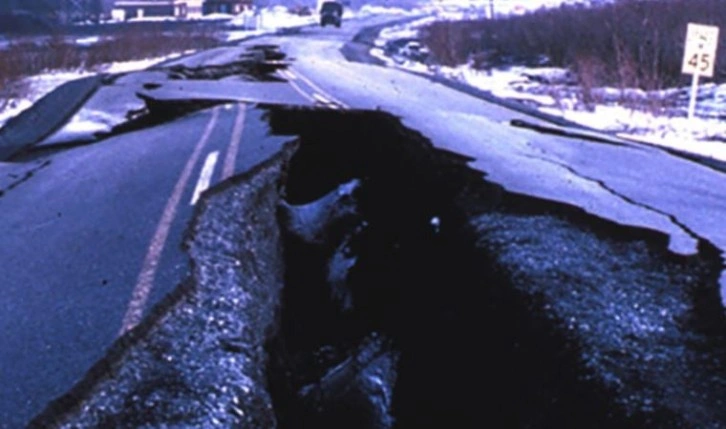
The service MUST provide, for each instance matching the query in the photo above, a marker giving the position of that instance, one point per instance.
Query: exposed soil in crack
(365, 279)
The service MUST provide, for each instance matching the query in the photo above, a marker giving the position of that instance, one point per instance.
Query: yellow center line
(299, 90)
(145, 280)
(231, 158)
(318, 89)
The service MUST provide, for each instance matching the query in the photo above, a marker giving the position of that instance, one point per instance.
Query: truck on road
(331, 12)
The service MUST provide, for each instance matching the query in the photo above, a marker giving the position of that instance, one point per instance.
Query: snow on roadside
(209, 17)
(280, 17)
(622, 112)
(88, 121)
(21, 95)
(31, 89)
(668, 127)
(271, 19)
(510, 83)
(367, 10)
(275, 18)
(268, 20)
(136, 65)
(404, 31)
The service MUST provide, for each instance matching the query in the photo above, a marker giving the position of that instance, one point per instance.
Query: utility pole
(491, 9)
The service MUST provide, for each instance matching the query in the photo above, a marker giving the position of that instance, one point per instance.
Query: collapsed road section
(362, 278)
(256, 63)
(88, 110)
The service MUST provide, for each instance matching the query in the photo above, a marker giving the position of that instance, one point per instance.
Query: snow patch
(271, 19)
(652, 117)
(88, 121)
(136, 65)
(369, 9)
(87, 41)
(22, 95)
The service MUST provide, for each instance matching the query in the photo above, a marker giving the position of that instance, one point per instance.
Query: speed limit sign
(699, 57)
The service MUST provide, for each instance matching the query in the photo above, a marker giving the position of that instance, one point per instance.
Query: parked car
(415, 51)
(331, 13)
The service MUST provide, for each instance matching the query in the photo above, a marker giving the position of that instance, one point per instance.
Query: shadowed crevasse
(495, 307)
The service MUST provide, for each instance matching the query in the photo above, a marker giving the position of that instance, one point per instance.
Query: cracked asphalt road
(78, 234)
(630, 183)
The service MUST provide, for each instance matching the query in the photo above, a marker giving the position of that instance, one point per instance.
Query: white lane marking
(318, 89)
(320, 98)
(316, 97)
(286, 74)
(325, 101)
(306, 80)
(301, 92)
(231, 158)
(205, 177)
(145, 280)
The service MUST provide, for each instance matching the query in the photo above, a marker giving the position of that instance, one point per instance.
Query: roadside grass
(57, 53)
(628, 44)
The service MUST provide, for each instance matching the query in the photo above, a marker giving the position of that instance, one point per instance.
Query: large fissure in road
(363, 278)
(463, 304)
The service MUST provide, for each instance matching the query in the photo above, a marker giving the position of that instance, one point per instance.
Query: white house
(232, 7)
(129, 9)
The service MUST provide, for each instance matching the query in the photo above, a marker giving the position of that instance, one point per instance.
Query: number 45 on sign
(699, 58)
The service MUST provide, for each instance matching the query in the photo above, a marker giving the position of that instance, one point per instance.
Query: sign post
(699, 57)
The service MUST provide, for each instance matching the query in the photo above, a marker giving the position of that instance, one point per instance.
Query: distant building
(233, 7)
(56, 11)
(129, 9)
